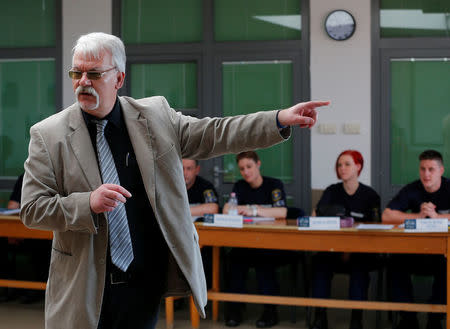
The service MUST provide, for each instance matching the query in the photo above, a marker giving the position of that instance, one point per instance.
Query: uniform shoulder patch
(277, 198)
(209, 196)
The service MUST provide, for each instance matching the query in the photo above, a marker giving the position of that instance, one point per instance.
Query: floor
(14, 315)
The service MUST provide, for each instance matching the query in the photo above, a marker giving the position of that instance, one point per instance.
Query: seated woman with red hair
(349, 198)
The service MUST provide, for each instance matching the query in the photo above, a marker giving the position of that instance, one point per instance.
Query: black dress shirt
(149, 247)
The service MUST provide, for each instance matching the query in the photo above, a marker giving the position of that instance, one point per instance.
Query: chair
(169, 304)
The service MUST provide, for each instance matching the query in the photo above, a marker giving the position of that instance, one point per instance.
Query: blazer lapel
(81, 144)
(141, 139)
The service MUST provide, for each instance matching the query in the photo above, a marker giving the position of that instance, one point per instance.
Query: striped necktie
(119, 232)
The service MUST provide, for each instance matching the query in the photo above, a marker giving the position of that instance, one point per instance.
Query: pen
(126, 158)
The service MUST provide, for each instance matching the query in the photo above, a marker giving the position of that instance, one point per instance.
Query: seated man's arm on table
(13, 204)
(392, 216)
(275, 212)
(397, 216)
(397, 210)
(204, 208)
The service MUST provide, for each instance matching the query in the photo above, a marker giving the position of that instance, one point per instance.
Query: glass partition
(27, 95)
(175, 81)
(236, 20)
(420, 114)
(28, 23)
(414, 18)
(254, 86)
(161, 21)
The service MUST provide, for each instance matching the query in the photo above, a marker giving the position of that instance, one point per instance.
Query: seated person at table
(7, 268)
(202, 200)
(349, 198)
(4, 268)
(201, 193)
(428, 197)
(257, 196)
(37, 250)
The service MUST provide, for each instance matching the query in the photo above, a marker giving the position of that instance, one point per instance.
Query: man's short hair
(197, 162)
(431, 155)
(93, 44)
(247, 155)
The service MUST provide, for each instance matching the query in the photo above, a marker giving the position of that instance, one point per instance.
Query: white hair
(93, 44)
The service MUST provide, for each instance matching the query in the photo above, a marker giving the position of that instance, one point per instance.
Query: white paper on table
(374, 226)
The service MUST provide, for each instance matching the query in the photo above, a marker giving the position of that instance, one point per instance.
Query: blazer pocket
(165, 152)
(65, 253)
(169, 166)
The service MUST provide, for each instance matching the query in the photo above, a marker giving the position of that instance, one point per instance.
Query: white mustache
(88, 90)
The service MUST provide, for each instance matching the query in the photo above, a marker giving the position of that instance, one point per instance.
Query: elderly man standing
(105, 176)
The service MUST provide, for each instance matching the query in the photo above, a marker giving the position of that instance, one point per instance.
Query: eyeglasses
(91, 75)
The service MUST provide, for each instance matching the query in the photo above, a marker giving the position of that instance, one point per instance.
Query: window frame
(30, 53)
(383, 50)
(209, 54)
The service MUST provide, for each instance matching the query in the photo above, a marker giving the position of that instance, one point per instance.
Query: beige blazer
(62, 170)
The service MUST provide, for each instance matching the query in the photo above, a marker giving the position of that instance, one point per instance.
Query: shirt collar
(115, 116)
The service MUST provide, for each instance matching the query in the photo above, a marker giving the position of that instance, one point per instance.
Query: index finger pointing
(314, 104)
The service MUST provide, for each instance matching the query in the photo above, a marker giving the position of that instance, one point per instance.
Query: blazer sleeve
(44, 205)
(209, 137)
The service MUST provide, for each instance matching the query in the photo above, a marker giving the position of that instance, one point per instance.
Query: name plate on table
(222, 220)
(319, 223)
(426, 225)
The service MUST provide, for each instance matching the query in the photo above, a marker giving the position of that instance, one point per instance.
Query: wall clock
(340, 25)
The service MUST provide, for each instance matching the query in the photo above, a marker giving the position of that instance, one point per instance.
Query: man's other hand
(107, 197)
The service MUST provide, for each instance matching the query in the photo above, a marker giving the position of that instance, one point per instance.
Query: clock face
(340, 25)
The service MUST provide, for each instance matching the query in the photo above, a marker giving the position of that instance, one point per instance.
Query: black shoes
(233, 322)
(233, 318)
(269, 318)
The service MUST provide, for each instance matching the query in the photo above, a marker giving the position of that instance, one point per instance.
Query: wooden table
(284, 235)
(12, 227)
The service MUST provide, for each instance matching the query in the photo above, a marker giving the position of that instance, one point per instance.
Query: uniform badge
(210, 196)
(277, 198)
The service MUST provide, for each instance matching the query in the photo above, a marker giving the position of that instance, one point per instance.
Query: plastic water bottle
(233, 204)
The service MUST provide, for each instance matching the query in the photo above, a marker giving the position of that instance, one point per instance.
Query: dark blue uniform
(401, 267)
(363, 206)
(271, 193)
(200, 192)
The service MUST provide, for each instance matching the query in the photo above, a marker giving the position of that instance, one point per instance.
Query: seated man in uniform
(201, 193)
(428, 197)
(38, 251)
(202, 200)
